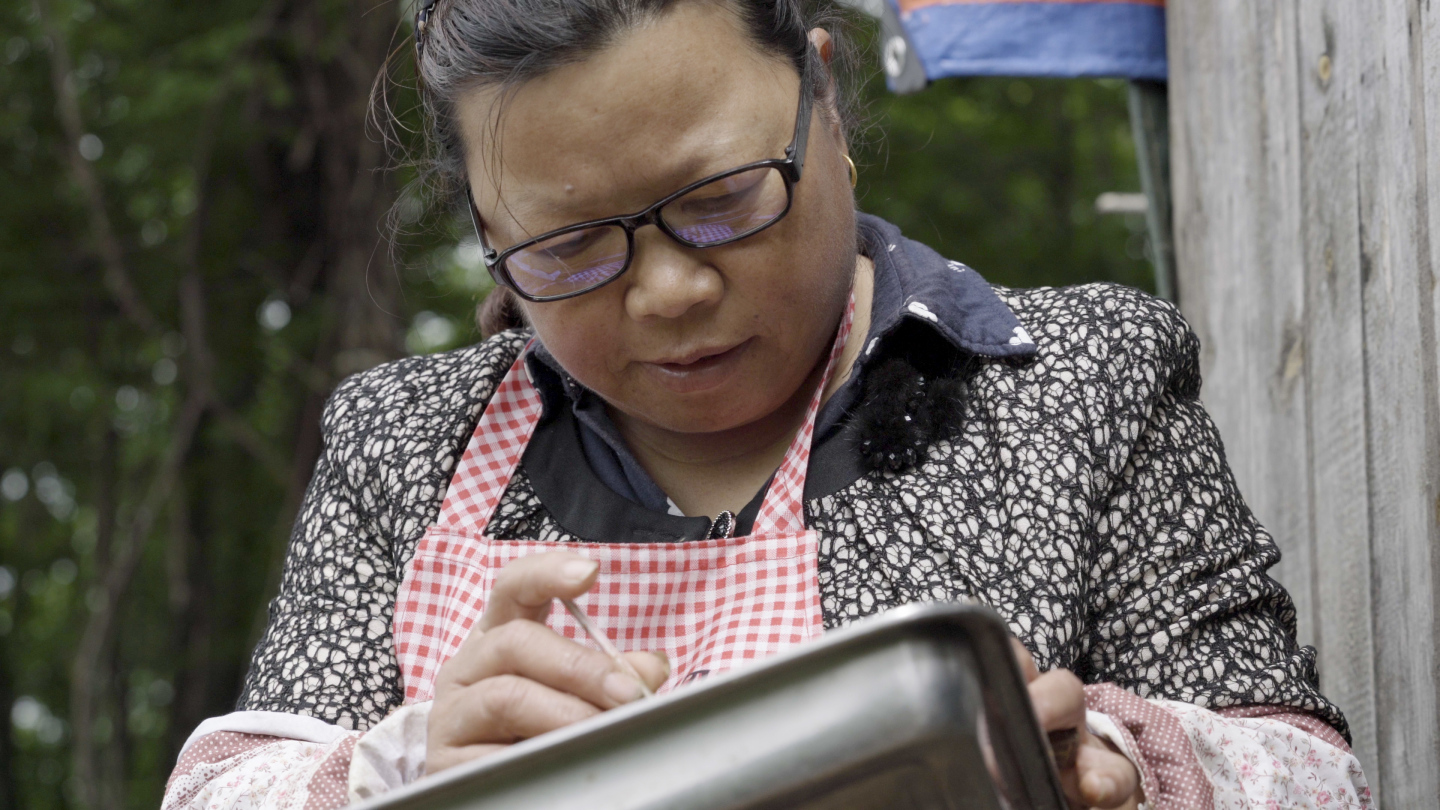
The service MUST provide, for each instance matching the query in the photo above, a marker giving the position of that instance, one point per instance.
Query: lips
(697, 370)
(694, 358)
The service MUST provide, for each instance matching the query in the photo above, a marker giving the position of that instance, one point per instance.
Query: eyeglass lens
(722, 210)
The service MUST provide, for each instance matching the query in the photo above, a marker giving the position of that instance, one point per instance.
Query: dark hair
(477, 43)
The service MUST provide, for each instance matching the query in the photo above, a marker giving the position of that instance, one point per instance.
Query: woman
(748, 367)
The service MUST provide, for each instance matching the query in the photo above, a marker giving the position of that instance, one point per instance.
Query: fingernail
(664, 659)
(622, 688)
(1104, 787)
(577, 571)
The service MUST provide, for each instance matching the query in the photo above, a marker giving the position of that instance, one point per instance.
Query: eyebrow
(794, 150)
(526, 202)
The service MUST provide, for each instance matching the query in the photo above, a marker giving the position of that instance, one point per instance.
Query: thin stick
(603, 641)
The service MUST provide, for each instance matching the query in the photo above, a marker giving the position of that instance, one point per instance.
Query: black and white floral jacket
(1078, 488)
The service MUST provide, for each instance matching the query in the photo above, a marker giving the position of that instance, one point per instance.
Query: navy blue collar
(912, 282)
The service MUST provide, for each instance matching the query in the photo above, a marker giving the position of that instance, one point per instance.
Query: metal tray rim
(975, 619)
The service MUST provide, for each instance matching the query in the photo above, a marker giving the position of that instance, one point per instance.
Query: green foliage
(227, 145)
(1002, 174)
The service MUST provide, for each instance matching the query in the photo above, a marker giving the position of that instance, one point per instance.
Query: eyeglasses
(717, 210)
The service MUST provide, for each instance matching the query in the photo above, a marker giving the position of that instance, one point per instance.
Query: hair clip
(422, 20)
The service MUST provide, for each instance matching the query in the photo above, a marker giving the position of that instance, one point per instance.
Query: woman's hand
(515, 678)
(1100, 776)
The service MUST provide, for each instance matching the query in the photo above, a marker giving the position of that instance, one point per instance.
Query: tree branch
(107, 244)
(121, 571)
(125, 559)
(117, 276)
(245, 435)
(200, 362)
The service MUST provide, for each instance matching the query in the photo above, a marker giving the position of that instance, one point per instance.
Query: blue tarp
(1063, 38)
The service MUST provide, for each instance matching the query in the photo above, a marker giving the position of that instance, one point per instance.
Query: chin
(692, 419)
(712, 412)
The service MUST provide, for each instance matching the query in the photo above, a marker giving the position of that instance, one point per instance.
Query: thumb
(653, 667)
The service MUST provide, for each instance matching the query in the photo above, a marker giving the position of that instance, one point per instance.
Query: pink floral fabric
(233, 771)
(1263, 761)
(1169, 771)
(1253, 756)
(1306, 722)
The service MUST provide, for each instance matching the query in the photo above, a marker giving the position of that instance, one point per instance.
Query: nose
(667, 279)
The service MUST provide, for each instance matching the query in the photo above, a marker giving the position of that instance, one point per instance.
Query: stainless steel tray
(912, 709)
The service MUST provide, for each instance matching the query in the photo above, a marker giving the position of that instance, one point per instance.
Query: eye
(568, 245)
(723, 195)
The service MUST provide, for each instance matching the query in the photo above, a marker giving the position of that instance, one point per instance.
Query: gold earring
(854, 174)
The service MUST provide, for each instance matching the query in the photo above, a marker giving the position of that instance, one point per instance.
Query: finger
(653, 667)
(527, 585)
(1106, 779)
(504, 709)
(1065, 747)
(1025, 659)
(1070, 770)
(1059, 700)
(438, 759)
(535, 652)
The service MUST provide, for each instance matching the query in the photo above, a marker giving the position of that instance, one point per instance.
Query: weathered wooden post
(1305, 142)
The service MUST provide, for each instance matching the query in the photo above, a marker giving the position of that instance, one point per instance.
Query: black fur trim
(911, 399)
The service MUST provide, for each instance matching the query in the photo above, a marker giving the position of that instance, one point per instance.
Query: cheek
(809, 273)
(584, 337)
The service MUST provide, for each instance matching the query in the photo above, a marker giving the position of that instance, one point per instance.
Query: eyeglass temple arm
(796, 150)
(488, 253)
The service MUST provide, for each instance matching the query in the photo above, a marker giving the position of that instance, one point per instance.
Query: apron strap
(783, 510)
(494, 451)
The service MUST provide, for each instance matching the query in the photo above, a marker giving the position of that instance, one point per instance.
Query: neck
(705, 473)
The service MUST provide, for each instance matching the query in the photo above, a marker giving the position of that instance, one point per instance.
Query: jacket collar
(914, 282)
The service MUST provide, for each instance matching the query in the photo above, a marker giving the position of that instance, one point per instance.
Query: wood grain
(1335, 363)
(1305, 144)
(1395, 269)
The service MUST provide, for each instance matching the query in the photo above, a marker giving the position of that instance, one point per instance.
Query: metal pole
(1150, 125)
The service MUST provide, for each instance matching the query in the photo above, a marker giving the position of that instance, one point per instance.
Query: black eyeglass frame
(789, 166)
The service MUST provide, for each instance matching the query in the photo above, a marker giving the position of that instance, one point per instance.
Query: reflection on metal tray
(912, 709)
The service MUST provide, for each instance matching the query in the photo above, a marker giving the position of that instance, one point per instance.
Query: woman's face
(688, 340)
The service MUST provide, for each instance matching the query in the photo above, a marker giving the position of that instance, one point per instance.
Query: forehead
(679, 98)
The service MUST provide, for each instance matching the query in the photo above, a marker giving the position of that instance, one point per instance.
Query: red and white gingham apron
(708, 604)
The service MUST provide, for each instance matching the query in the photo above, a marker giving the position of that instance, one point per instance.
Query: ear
(824, 45)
